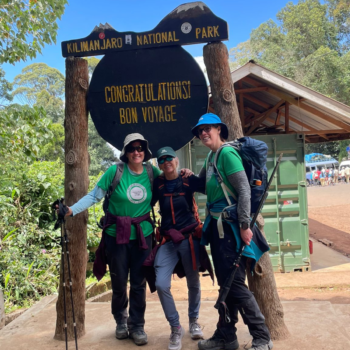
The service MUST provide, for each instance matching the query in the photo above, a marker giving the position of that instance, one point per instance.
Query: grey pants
(167, 257)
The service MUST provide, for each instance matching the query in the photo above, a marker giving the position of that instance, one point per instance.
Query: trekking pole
(220, 303)
(61, 222)
(70, 285)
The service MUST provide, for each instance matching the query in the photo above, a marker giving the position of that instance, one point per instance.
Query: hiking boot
(217, 343)
(268, 346)
(195, 329)
(139, 337)
(121, 331)
(176, 336)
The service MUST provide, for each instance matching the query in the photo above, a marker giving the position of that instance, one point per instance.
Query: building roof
(272, 103)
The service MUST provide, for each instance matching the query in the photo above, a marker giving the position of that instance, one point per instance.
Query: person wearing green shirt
(130, 199)
(224, 247)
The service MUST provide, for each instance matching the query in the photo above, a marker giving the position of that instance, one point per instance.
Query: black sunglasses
(206, 129)
(168, 159)
(132, 149)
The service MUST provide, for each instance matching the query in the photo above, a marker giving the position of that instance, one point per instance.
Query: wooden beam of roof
(256, 101)
(296, 121)
(264, 116)
(300, 104)
(247, 90)
(310, 109)
(324, 132)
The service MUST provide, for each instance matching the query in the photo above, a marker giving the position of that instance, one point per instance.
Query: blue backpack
(254, 157)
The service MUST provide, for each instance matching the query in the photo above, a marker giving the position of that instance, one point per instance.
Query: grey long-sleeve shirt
(239, 182)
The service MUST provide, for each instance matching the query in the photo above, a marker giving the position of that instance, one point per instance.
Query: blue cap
(211, 119)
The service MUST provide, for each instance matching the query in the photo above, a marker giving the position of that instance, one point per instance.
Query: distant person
(317, 177)
(347, 174)
(342, 174)
(330, 177)
(323, 177)
(336, 175)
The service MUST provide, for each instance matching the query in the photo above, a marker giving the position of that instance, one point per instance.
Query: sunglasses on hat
(168, 159)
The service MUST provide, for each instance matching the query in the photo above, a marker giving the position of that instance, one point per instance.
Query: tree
(54, 148)
(26, 26)
(101, 155)
(5, 88)
(23, 131)
(41, 85)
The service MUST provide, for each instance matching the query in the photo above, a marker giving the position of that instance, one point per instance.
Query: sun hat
(131, 138)
(165, 151)
(212, 119)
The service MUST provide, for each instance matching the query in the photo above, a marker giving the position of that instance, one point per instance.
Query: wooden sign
(159, 93)
(190, 23)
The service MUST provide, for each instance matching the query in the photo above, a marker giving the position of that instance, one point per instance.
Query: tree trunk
(262, 284)
(224, 97)
(76, 186)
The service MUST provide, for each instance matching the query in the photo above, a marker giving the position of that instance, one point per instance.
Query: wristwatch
(244, 225)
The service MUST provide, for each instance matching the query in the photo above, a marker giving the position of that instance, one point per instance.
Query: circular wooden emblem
(159, 93)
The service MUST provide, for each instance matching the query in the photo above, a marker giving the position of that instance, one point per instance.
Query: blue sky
(81, 17)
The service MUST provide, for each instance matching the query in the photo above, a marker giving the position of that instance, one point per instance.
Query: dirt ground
(329, 217)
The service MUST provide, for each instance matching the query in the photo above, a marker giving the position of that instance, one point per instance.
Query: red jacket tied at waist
(123, 232)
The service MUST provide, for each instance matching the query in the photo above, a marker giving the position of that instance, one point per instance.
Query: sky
(81, 17)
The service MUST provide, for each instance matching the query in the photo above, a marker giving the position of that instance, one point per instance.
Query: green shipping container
(285, 210)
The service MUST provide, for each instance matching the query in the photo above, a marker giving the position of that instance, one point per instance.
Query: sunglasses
(132, 149)
(206, 129)
(168, 159)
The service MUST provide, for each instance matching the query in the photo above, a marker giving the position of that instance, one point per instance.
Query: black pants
(240, 298)
(121, 259)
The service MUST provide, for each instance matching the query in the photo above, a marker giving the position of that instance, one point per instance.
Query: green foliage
(53, 149)
(41, 85)
(307, 45)
(5, 88)
(30, 253)
(23, 131)
(101, 155)
(26, 26)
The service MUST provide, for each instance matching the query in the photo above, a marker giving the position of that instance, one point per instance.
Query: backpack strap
(224, 187)
(149, 170)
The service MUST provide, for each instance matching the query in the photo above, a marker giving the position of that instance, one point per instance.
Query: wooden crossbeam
(298, 102)
(286, 118)
(247, 90)
(264, 116)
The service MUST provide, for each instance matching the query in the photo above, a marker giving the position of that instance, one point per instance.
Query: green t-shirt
(132, 197)
(229, 162)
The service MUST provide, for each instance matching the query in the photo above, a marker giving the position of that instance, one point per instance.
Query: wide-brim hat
(211, 119)
(131, 138)
(165, 151)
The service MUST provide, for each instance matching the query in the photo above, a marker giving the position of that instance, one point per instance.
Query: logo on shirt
(136, 193)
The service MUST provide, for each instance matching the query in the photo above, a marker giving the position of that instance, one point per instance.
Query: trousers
(123, 259)
(240, 298)
(167, 257)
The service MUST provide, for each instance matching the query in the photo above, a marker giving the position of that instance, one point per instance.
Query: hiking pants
(240, 298)
(121, 259)
(166, 259)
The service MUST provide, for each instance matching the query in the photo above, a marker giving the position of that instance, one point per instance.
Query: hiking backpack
(192, 206)
(116, 180)
(254, 156)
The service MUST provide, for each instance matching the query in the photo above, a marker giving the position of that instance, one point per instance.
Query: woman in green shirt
(130, 201)
(213, 133)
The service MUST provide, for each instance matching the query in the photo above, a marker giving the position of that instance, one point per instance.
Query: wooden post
(241, 105)
(286, 118)
(76, 186)
(224, 97)
(262, 283)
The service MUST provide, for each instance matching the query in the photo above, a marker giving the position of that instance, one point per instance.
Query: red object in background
(101, 35)
(311, 246)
